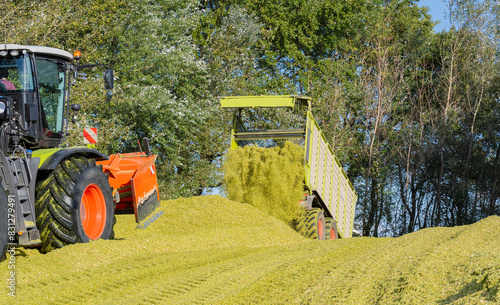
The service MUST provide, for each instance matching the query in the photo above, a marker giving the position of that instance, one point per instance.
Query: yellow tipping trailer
(331, 200)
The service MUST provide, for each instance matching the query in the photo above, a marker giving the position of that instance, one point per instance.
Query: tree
(161, 84)
(228, 42)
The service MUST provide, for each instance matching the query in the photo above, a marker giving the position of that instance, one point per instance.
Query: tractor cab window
(15, 73)
(51, 82)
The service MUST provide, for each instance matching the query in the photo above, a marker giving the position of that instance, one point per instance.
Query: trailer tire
(74, 205)
(331, 229)
(4, 226)
(312, 224)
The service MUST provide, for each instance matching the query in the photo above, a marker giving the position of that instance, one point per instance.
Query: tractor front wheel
(74, 204)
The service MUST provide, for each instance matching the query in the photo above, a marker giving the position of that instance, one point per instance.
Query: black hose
(5, 135)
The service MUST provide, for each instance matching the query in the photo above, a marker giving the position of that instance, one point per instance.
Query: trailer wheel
(4, 227)
(331, 229)
(312, 224)
(74, 204)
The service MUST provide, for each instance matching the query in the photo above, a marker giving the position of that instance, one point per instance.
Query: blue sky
(437, 9)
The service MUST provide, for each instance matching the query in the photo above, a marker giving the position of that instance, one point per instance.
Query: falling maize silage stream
(270, 179)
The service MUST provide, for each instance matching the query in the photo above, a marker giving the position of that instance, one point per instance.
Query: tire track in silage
(156, 279)
(93, 285)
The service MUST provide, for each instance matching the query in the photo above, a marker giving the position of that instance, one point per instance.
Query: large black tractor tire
(4, 226)
(331, 229)
(74, 205)
(312, 224)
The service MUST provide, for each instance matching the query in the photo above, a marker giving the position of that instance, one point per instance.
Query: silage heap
(210, 250)
(270, 179)
(459, 265)
(199, 232)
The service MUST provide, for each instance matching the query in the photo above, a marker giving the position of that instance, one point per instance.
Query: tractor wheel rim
(332, 233)
(321, 228)
(93, 211)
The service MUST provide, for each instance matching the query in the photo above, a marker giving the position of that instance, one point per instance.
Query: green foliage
(299, 33)
(162, 86)
(270, 179)
(230, 50)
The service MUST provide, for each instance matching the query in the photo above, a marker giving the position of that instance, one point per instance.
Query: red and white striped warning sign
(47, 133)
(90, 135)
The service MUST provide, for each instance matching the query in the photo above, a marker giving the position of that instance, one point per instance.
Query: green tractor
(50, 196)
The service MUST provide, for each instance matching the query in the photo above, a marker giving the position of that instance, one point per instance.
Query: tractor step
(26, 229)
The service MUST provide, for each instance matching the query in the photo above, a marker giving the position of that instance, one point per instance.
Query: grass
(210, 250)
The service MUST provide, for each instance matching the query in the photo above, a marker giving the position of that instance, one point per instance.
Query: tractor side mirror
(108, 79)
(75, 107)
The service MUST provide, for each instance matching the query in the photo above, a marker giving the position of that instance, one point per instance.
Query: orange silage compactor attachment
(135, 187)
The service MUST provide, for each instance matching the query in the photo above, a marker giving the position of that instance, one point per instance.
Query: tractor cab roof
(38, 50)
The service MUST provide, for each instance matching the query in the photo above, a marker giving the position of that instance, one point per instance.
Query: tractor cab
(34, 84)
